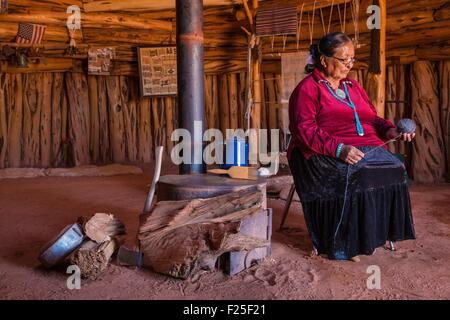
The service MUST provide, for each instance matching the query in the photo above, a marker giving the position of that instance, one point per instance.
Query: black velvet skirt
(351, 210)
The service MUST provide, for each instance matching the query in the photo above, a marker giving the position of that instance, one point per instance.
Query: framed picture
(158, 71)
(100, 61)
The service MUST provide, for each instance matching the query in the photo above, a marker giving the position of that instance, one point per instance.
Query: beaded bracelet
(339, 149)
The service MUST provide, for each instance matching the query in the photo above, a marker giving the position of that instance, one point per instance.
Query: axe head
(129, 257)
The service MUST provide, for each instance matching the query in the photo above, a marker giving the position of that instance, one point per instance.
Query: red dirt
(33, 210)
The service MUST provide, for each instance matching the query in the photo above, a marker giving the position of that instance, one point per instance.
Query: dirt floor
(33, 210)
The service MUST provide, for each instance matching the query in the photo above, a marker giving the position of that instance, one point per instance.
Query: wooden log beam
(377, 69)
(433, 53)
(90, 20)
(145, 5)
(44, 65)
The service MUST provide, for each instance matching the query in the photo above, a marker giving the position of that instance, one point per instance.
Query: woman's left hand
(393, 133)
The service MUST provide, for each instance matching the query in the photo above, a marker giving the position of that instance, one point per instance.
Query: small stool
(287, 206)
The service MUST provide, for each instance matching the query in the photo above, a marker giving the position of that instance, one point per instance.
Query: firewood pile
(180, 238)
(99, 239)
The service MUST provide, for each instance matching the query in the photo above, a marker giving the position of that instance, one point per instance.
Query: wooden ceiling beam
(145, 5)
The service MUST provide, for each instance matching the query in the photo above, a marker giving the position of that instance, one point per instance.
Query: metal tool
(151, 192)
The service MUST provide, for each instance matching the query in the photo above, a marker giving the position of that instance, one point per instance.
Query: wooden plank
(428, 161)
(45, 65)
(31, 119)
(15, 112)
(78, 102)
(130, 116)
(57, 122)
(145, 137)
(116, 119)
(46, 120)
(145, 5)
(232, 89)
(444, 89)
(104, 126)
(4, 81)
(94, 141)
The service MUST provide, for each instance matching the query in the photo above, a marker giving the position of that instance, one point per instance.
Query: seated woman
(354, 193)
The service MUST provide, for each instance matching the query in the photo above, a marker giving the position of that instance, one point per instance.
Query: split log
(169, 108)
(93, 258)
(46, 120)
(78, 100)
(94, 141)
(15, 111)
(428, 162)
(224, 109)
(179, 238)
(232, 100)
(4, 80)
(31, 119)
(145, 134)
(116, 119)
(209, 115)
(102, 227)
(56, 121)
(130, 117)
(444, 74)
(396, 107)
(104, 125)
(215, 101)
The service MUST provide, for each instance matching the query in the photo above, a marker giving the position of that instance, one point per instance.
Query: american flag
(4, 6)
(30, 33)
(275, 21)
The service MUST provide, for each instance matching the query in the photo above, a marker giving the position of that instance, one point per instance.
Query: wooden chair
(287, 206)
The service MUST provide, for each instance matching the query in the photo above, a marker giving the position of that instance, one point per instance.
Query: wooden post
(255, 117)
(376, 77)
(428, 160)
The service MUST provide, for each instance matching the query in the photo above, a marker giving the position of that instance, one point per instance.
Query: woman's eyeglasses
(345, 62)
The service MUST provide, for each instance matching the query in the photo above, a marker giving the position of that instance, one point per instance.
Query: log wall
(69, 119)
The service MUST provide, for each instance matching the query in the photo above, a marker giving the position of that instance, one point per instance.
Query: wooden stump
(102, 227)
(179, 238)
(93, 258)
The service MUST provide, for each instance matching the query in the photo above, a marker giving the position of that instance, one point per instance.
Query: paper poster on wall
(100, 61)
(158, 71)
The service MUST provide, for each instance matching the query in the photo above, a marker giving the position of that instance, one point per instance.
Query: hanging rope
(299, 27)
(340, 17)
(323, 22)
(311, 23)
(345, 15)
(331, 14)
(355, 17)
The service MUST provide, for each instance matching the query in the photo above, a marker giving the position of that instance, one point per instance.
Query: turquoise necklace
(350, 103)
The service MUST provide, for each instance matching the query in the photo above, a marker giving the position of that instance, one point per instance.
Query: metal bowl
(56, 250)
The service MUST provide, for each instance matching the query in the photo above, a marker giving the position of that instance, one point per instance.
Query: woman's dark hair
(327, 46)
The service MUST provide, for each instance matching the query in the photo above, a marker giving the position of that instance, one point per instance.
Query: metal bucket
(56, 250)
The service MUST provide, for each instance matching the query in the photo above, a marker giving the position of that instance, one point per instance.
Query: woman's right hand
(351, 155)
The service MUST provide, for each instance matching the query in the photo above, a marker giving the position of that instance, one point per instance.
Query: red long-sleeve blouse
(319, 122)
